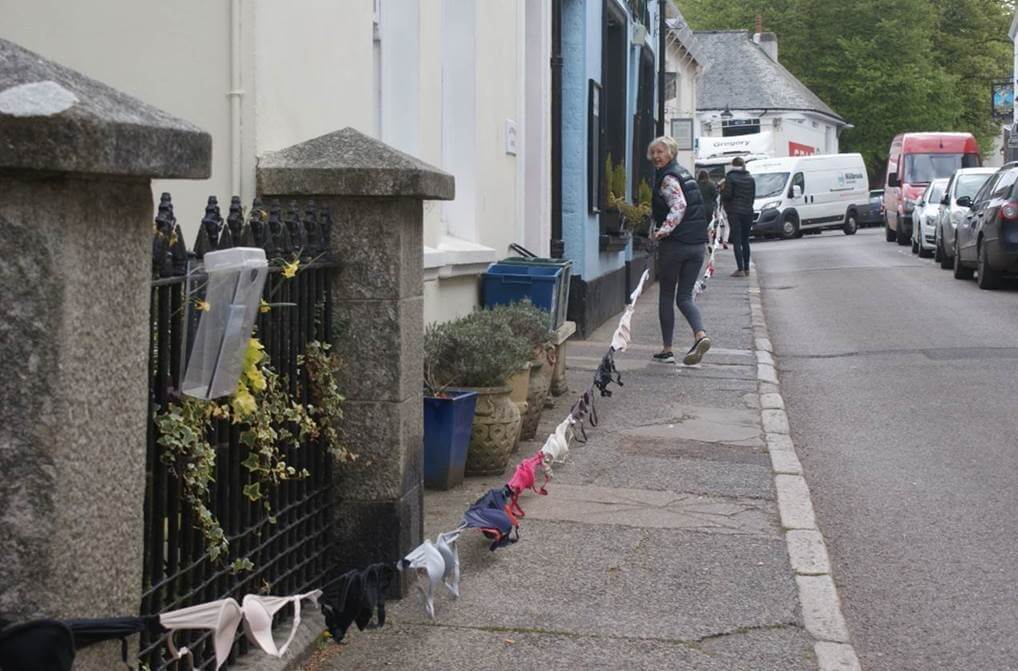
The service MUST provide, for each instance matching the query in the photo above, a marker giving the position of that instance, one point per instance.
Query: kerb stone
(821, 611)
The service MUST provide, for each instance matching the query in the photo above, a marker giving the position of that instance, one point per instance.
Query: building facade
(608, 55)
(749, 103)
(462, 85)
(683, 71)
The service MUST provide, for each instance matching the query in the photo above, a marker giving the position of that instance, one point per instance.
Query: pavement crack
(694, 643)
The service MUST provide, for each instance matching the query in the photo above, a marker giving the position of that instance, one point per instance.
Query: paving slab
(441, 648)
(652, 509)
(658, 546)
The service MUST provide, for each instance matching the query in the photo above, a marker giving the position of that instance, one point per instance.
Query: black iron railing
(289, 551)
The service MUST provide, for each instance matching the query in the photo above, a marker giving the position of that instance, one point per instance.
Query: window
(734, 127)
(924, 168)
(771, 184)
(968, 185)
(1002, 189)
(984, 191)
(595, 165)
(682, 132)
(671, 86)
(799, 181)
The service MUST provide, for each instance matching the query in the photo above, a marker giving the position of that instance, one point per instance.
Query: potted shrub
(530, 322)
(479, 354)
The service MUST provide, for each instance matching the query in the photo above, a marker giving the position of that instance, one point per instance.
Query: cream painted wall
(430, 61)
(306, 68)
(450, 298)
(313, 70)
(498, 100)
(171, 55)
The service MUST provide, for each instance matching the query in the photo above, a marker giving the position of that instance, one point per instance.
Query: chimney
(767, 41)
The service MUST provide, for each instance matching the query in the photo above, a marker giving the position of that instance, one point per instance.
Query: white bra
(446, 544)
(258, 614)
(221, 617)
(556, 447)
(438, 561)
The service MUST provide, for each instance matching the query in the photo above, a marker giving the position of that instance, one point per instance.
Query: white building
(683, 69)
(746, 91)
(461, 84)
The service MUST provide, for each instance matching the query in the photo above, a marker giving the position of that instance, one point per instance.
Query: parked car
(915, 160)
(964, 183)
(986, 240)
(873, 213)
(924, 218)
(800, 194)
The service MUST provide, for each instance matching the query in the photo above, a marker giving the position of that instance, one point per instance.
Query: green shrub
(525, 320)
(479, 350)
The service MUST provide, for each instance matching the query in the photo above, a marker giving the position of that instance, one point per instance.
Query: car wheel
(890, 235)
(902, 237)
(960, 271)
(790, 227)
(915, 246)
(851, 224)
(938, 251)
(988, 278)
(946, 262)
(924, 253)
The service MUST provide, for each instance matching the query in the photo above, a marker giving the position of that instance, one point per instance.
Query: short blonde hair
(669, 143)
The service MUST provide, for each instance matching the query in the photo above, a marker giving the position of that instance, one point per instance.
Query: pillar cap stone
(55, 119)
(350, 163)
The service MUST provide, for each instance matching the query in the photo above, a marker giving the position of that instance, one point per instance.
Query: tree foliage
(886, 67)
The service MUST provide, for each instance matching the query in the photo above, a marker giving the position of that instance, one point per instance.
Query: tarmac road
(902, 394)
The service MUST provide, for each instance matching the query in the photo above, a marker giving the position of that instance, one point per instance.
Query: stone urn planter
(520, 383)
(537, 394)
(494, 431)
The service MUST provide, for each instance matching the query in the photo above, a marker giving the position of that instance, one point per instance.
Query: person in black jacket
(737, 195)
(681, 221)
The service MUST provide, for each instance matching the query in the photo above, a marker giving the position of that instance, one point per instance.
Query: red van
(915, 160)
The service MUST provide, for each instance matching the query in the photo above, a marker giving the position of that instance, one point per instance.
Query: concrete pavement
(659, 546)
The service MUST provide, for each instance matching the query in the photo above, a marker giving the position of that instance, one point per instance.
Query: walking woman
(681, 221)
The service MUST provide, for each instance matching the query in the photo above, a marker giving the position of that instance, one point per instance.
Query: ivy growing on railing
(272, 422)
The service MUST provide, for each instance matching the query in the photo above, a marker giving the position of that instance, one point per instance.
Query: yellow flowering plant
(271, 421)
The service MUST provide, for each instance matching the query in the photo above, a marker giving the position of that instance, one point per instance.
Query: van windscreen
(770, 184)
(924, 168)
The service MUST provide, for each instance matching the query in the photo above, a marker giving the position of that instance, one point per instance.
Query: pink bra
(525, 478)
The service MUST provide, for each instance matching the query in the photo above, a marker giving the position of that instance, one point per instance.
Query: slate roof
(740, 75)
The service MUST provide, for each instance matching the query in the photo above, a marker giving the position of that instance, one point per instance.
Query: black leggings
(678, 265)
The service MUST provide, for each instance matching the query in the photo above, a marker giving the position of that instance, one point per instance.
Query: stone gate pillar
(375, 195)
(76, 159)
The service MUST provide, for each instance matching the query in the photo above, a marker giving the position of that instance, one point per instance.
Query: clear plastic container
(233, 294)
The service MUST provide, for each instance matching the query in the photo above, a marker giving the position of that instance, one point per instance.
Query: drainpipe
(234, 94)
(662, 43)
(557, 246)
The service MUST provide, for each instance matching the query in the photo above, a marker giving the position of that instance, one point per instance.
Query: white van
(808, 194)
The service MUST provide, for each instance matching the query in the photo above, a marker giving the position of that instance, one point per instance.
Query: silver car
(924, 218)
(963, 184)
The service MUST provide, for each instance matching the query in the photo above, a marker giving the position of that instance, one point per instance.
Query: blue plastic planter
(510, 282)
(447, 424)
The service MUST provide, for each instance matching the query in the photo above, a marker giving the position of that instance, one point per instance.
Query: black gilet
(692, 230)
